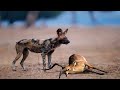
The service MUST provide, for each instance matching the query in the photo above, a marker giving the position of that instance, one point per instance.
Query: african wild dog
(45, 47)
(77, 64)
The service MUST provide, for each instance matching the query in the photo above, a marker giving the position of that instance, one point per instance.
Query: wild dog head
(61, 36)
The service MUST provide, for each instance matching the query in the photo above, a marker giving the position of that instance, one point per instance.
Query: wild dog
(77, 64)
(45, 47)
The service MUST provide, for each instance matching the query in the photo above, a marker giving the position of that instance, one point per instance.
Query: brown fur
(77, 64)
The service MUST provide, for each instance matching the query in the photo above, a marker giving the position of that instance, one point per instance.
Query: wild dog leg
(49, 58)
(44, 61)
(13, 63)
(25, 55)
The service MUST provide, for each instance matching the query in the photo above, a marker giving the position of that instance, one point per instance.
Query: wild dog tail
(55, 65)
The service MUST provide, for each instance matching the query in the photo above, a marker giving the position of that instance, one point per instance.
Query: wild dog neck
(56, 43)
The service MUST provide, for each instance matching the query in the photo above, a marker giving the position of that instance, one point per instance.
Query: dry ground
(100, 46)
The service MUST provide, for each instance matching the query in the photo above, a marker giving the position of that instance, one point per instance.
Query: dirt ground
(100, 46)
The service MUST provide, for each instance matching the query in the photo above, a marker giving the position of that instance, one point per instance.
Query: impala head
(61, 36)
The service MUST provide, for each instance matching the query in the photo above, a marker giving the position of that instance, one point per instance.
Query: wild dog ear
(65, 31)
(59, 31)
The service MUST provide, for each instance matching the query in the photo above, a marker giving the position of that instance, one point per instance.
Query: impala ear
(65, 31)
(59, 31)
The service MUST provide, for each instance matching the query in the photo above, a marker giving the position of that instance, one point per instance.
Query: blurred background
(56, 18)
(93, 34)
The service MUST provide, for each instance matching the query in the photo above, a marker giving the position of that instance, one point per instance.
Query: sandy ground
(100, 46)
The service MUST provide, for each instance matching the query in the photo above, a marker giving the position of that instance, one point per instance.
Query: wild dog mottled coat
(45, 47)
